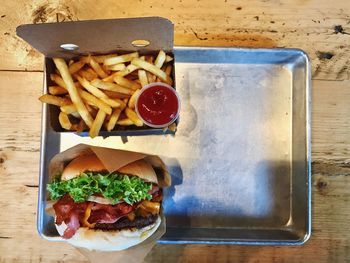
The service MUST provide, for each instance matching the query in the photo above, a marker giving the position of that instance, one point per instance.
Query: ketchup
(158, 105)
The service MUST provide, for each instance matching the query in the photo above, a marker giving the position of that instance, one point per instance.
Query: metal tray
(240, 160)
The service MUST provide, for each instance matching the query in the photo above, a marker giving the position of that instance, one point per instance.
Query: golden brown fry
(72, 90)
(68, 109)
(97, 68)
(111, 77)
(113, 119)
(110, 86)
(117, 67)
(57, 90)
(95, 101)
(151, 68)
(120, 59)
(98, 59)
(64, 121)
(172, 127)
(133, 117)
(168, 69)
(54, 100)
(97, 124)
(133, 98)
(127, 83)
(160, 59)
(130, 68)
(143, 77)
(58, 80)
(151, 78)
(88, 73)
(125, 122)
(75, 67)
(116, 95)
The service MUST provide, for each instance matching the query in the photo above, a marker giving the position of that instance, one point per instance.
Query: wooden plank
(319, 27)
(20, 113)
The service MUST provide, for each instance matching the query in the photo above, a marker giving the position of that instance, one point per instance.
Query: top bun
(91, 163)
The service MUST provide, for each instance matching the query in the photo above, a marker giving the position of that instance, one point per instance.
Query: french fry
(110, 86)
(97, 124)
(127, 83)
(168, 69)
(160, 59)
(64, 121)
(54, 100)
(75, 67)
(89, 74)
(133, 98)
(172, 127)
(133, 117)
(98, 59)
(58, 80)
(95, 101)
(125, 122)
(111, 77)
(120, 59)
(117, 67)
(168, 58)
(72, 90)
(142, 77)
(68, 109)
(92, 110)
(116, 95)
(97, 68)
(151, 78)
(57, 90)
(113, 119)
(151, 68)
(130, 68)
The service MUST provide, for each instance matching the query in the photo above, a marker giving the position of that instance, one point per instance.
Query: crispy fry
(133, 117)
(117, 67)
(168, 69)
(172, 127)
(110, 86)
(142, 77)
(133, 98)
(97, 68)
(130, 68)
(57, 90)
(151, 78)
(116, 95)
(54, 100)
(64, 121)
(151, 68)
(98, 59)
(113, 119)
(160, 59)
(68, 109)
(58, 80)
(125, 122)
(88, 73)
(75, 67)
(111, 77)
(97, 124)
(95, 101)
(72, 90)
(127, 83)
(120, 59)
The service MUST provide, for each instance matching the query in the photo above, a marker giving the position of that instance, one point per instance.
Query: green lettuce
(114, 186)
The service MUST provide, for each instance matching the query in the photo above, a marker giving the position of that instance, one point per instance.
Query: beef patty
(125, 223)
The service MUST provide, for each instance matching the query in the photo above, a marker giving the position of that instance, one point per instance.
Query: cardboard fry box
(97, 37)
(113, 160)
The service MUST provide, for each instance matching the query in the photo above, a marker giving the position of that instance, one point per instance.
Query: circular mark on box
(140, 43)
(69, 47)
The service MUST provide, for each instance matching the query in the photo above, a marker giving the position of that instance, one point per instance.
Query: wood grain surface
(319, 27)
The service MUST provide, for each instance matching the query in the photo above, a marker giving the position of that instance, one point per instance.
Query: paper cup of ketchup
(158, 105)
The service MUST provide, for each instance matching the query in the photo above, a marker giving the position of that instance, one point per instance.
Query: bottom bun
(95, 239)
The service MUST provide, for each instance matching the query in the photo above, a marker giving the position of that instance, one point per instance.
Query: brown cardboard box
(98, 37)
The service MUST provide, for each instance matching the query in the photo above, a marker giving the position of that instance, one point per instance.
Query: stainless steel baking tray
(240, 160)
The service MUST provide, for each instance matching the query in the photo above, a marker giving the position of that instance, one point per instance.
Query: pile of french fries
(101, 91)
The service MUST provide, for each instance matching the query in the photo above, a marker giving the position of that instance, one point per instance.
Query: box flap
(99, 36)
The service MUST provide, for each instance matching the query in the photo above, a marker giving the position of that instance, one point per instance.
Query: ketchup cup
(158, 105)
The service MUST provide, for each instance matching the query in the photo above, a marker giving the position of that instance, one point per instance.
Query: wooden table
(320, 27)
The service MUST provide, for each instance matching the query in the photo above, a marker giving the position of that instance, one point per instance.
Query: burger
(102, 210)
